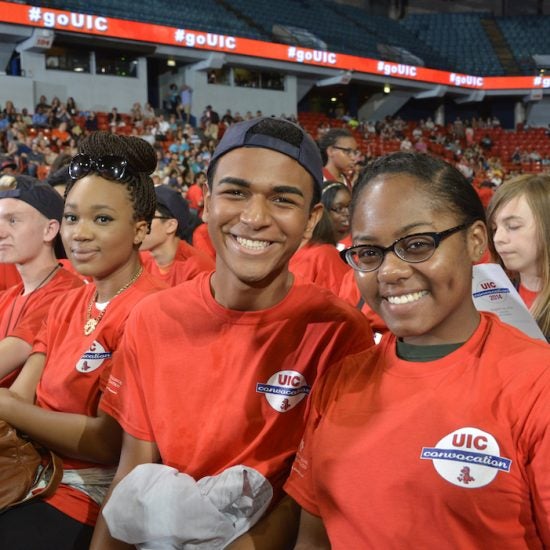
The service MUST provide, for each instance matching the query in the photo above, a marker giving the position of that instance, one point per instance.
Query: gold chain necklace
(91, 322)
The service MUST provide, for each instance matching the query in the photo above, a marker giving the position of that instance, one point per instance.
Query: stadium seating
(459, 38)
(527, 35)
(449, 41)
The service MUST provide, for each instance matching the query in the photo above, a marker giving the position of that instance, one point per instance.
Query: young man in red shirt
(30, 217)
(165, 252)
(215, 373)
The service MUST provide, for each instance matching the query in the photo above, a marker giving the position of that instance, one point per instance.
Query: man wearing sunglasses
(340, 150)
(30, 216)
(214, 374)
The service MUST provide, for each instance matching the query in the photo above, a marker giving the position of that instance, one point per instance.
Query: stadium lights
(387, 88)
(171, 62)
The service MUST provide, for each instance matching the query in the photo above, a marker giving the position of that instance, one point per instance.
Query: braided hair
(142, 162)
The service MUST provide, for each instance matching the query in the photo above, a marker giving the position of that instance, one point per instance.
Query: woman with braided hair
(109, 205)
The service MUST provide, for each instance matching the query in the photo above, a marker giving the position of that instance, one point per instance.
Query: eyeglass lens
(413, 249)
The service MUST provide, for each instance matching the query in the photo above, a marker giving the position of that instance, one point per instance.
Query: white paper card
(493, 291)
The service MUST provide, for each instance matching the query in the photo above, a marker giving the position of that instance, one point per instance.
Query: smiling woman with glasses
(450, 411)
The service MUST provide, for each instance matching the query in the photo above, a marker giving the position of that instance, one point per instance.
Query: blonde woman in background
(519, 224)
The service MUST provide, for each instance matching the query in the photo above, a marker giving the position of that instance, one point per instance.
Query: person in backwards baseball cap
(30, 218)
(245, 342)
(165, 253)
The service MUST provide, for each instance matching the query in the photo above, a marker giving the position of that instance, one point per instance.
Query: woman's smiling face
(423, 303)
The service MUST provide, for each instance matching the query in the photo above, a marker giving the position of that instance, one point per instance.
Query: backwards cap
(240, 135)
(176, 205)
(40, 196)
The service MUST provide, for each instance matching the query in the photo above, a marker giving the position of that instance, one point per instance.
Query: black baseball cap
(242, 134)
(59, 177)
(176, 205)
(39, 195)
(8, 163)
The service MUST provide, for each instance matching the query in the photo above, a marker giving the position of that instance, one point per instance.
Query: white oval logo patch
(467, 457)
(284, 390)
(93, 358)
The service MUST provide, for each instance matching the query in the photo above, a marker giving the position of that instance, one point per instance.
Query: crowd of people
(244, 337)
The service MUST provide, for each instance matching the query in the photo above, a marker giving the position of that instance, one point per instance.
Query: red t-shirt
(201, 241)
(320, 264)
(9, 276)
(195, 198)
(448, 453)
(528, 296)
(232, 386)
(29, 311)
(22, 316)
(350, 293)
(188, 263)
(485, 195)
(346, 242)
(70, 267)
(78, 366)
(328, 176)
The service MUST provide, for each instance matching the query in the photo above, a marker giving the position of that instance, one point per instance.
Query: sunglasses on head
(111, 167)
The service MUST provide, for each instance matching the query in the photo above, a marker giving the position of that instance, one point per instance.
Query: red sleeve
(300, 484)
(39, 344)
(123, 398)
(535, 445)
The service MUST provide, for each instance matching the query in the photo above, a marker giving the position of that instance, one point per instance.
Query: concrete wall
(238, 99)
(91, 91)
(101, 92)
(538, 112)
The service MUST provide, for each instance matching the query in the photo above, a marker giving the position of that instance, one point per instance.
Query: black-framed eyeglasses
(111, 167)
(341, 210)
(162, 218)
(348, 150)
(413, 249)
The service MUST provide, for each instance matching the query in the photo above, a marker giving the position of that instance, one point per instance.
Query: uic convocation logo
(284, 390)
(468, 458)
(93, 358)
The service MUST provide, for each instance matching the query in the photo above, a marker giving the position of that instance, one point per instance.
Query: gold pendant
(89, 327)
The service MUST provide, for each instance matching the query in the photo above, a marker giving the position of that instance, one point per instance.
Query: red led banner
(48, 18)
